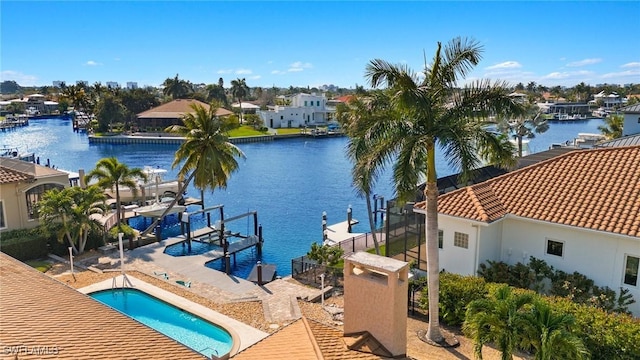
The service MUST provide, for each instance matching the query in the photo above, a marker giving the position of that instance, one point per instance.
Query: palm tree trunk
(433, 265)
(371, 224)
(519, 146)
(240, 104)
(172, 204)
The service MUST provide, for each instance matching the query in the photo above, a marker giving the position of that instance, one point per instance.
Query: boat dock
(11, 122)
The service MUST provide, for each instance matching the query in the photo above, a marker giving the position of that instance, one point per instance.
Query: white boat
(154, 186)
(158, 208)
(15, 153)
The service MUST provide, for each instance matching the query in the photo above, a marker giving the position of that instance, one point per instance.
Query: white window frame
(440, 239)
(456, 240)
(624, 270)
(546, 247)
(3, 214)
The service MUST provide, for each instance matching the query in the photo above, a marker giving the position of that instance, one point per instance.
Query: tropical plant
(112, 174)
(109, 110)
(216, 92)
(431, 112)
(612, 127)
(207, 155)
(549, 334)
(73, 207)
(239, 90)
(524, 126)
(176, 88)
(499, 319)
(325, 254)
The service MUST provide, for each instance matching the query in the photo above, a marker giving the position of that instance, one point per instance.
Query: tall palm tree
(111, 174)
(56, 206)
(356, 118)
(524, 126)
(176, 88)
(612, 127)
(239, 90)
(500, 320)
(549, 333)
(433, 113)
(209, 158)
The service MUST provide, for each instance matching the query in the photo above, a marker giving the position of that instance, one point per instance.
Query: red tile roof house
(578, 212)
(171, 113)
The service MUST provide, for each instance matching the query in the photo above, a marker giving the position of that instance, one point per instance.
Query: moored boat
(155, 185)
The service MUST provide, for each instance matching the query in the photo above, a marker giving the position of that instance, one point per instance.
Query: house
(578, 212)
(300, 110)
(519, 98)
(631, 124)
(608, 100)
(43, 318)
(171, 113)
(22, 185)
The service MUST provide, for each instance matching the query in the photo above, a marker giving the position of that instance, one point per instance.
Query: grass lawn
(287, 131)
(245, 130)
(40, 265)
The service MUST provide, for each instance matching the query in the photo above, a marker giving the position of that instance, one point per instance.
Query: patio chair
(184, 283)
(163, 274)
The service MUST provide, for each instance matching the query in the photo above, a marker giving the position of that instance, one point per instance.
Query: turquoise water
(184, 327)
(197, 248)
(288, 182)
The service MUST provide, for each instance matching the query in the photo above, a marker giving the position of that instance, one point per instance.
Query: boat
(588, 140)
(15, 153)
(156, 209)
(154, 185)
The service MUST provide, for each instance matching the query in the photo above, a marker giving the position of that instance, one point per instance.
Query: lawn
(245, 130)
(288, 131)
(40, 265)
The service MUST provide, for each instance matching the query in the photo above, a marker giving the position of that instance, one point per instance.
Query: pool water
(197, 248)
(184, 327)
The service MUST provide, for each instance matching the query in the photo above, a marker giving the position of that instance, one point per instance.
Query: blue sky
(305, 43)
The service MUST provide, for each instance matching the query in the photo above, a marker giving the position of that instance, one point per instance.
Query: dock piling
(349, 218)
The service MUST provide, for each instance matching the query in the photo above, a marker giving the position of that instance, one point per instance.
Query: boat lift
(216, 233)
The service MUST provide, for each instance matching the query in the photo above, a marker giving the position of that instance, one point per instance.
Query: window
(554, 247)
(3, 224)
(461, 240)
(440, 239)
(34, 195)
(281, 117)
(318, 103)
(631, 270)
(305, 103)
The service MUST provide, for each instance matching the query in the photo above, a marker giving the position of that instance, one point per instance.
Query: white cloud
(621, 74)
(243, 72)
(255, 77)
(92, 63)
(299, 66)
(20, 78)
(224, 71)
(558, 75)
(505, 65)
(584, 62)
(278, 72)
(631, 65)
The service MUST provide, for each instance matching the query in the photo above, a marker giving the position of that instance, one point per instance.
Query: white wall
(631, 124)
(297, 114)
(455, 259)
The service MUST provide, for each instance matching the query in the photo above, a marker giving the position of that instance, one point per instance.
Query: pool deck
(243, 335)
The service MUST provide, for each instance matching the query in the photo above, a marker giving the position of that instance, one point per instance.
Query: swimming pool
(182, 326)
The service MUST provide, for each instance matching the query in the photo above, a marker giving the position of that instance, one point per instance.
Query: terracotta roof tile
(38, 311)
(597, 189)
(10, 176)
(176, 108)
(291, 342)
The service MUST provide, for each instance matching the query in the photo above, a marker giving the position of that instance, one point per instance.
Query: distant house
(21, 187)
(631, 125)
(520, 98)
(578, 212)
(159, 117)
(609, 100)
(301, 110)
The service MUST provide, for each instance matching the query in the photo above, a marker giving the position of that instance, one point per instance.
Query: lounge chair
(163, 274)
(184, 283)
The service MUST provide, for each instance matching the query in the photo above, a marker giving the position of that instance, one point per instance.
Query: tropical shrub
(25, 244)
(456, 291)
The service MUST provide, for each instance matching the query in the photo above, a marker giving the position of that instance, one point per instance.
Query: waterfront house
(631, 124)
(608, 100)
(578, 212)
(21, 187)
(160, 117)
(300, 110)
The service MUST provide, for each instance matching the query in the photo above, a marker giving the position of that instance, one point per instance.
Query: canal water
(288, 182)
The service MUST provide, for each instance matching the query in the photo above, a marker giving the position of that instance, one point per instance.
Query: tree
(109, 110)
(549, 333)
(216, 93)
(356, 118)
(207, 156)
(239, 90)
(111, 174)
(176, 88)
(500, 320)
(612, 127)
(525, 126)
(431, 112)
(73, 207)
(9, 87)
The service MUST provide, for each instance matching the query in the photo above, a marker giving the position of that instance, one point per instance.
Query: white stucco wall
(631, 124)
(455, 259)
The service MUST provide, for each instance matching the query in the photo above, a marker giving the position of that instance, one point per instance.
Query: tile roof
(631, 109)
(621, 141)
(14, 170)
(304, 339)
(597, 189)
(176, 108)
(38, 311)
(8, 176)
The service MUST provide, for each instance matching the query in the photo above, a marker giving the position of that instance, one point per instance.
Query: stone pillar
(375, 299)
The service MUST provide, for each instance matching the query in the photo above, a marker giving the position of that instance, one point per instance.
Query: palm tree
(209, 158)
(176, 88)
(356, 118)
(525, 126)
(239, 90)
(56, 205)
(612, 127)
(111, 174)
(549, 333)
(500, 320)
(433, 113)
(87, 202)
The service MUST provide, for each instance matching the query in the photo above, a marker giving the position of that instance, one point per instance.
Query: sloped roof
(176, 109)
(597, 189)
(621, 141)
(8, 175)
(40, 311)
(631, 109)
(14, 170)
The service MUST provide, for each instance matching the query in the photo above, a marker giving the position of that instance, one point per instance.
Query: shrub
(456, 291)
(26, 244)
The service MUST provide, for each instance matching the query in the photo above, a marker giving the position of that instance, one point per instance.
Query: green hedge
(25, 244)
(606, 335)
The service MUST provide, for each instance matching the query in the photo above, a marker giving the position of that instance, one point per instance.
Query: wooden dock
(233, 248)
(339, 232)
